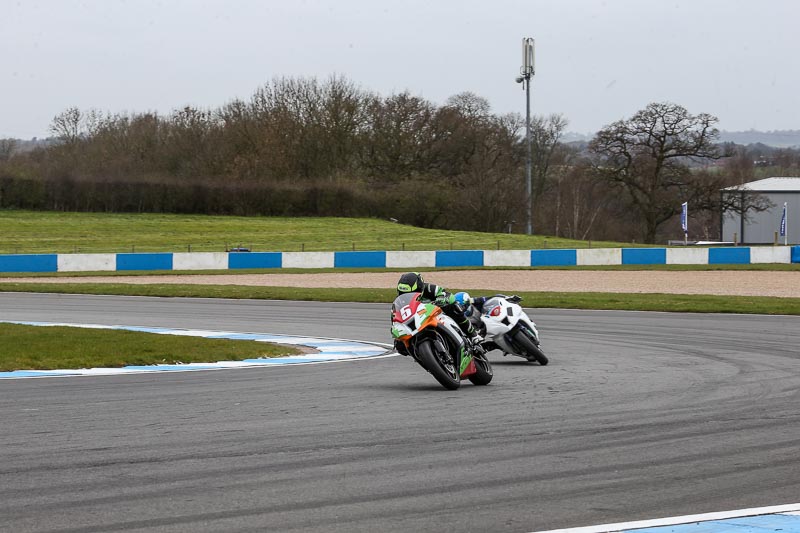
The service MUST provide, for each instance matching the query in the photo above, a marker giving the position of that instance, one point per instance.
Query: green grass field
(28, 232)
(55, 347)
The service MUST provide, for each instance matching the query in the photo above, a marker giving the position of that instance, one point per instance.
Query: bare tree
(7, 148)
(648, 157)
(545, 136)
(66, 126)
(399, 139)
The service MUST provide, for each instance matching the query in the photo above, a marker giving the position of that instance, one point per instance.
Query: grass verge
(592, 300)
(57, 347)
(27, 232)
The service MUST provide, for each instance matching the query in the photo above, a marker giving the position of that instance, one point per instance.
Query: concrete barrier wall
(410, 259)
(29, 263)
(459, 258)
(307, 259)
(644, 256)
(144, 261)
(687, 256)
(200, 261)
(255, 260)
(519, 258)
(728, 256)
(554, 258)
(395, 259)
(781, 254)
(87, 262)
(359, 259)
(600, 256)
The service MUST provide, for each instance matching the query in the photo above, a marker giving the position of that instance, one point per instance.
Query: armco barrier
(412, 260)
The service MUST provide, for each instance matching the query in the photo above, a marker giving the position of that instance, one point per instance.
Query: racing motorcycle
(423, 331)
(505, 326)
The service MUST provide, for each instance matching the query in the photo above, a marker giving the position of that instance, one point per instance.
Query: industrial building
(763, 227)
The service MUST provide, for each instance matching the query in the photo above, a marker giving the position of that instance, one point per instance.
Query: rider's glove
(444, 299)
(515, 299)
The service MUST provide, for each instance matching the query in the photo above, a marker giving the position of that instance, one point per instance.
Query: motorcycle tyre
(429, 360)
(484, 373)
(533, 352)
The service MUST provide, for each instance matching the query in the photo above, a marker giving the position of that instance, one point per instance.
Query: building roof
(769, 185)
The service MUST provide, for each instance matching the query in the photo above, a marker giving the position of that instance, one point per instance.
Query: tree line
(305, 147)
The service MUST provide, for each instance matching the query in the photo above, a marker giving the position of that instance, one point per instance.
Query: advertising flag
(684, 210)
(783, 221)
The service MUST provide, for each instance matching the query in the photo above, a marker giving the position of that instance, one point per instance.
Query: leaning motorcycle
(505, 326)
(423, 331)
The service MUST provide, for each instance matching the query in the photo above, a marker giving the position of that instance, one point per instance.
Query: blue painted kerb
(644, 256)
(795, 254)
(144, 261)
(255, 260)
(29, 263)
(459, 258)
(728, 256)
(746, 524)
(554, 257)
(359, 259)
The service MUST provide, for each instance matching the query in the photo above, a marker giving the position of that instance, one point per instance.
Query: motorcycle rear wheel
(440, 365)
(533, 352)
(483, 374)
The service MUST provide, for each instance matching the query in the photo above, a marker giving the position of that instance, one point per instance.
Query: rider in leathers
(413, 282)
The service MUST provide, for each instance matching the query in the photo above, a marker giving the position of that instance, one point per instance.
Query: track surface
(639, 415)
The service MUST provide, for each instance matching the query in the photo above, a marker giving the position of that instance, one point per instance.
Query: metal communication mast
(526, 72)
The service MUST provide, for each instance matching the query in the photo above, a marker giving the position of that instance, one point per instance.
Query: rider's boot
(474, 337)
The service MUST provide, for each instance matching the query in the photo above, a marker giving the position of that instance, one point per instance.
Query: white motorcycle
(505, 326)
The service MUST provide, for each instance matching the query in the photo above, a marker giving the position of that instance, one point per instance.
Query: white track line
(793, 508)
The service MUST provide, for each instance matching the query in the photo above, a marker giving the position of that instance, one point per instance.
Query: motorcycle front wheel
(441, 365)
(483, 370)
(533, 352)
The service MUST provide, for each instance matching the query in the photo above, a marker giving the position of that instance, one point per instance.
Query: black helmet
(410, 282)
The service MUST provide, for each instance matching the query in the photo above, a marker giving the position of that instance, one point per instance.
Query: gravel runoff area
(785, 284)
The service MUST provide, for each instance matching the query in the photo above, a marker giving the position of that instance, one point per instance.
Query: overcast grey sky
(596, 61)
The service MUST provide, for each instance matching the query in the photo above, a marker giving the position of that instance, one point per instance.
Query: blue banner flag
(684, 212)
(783, 221)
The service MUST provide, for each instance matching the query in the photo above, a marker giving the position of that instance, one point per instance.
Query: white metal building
(760, 227)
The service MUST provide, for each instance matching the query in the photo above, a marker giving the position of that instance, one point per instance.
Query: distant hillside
(778, 139)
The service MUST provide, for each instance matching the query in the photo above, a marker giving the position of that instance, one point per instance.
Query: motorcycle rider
(413, 282)
(467, 302)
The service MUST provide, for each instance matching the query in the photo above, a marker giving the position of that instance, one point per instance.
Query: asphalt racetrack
(638, 415)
